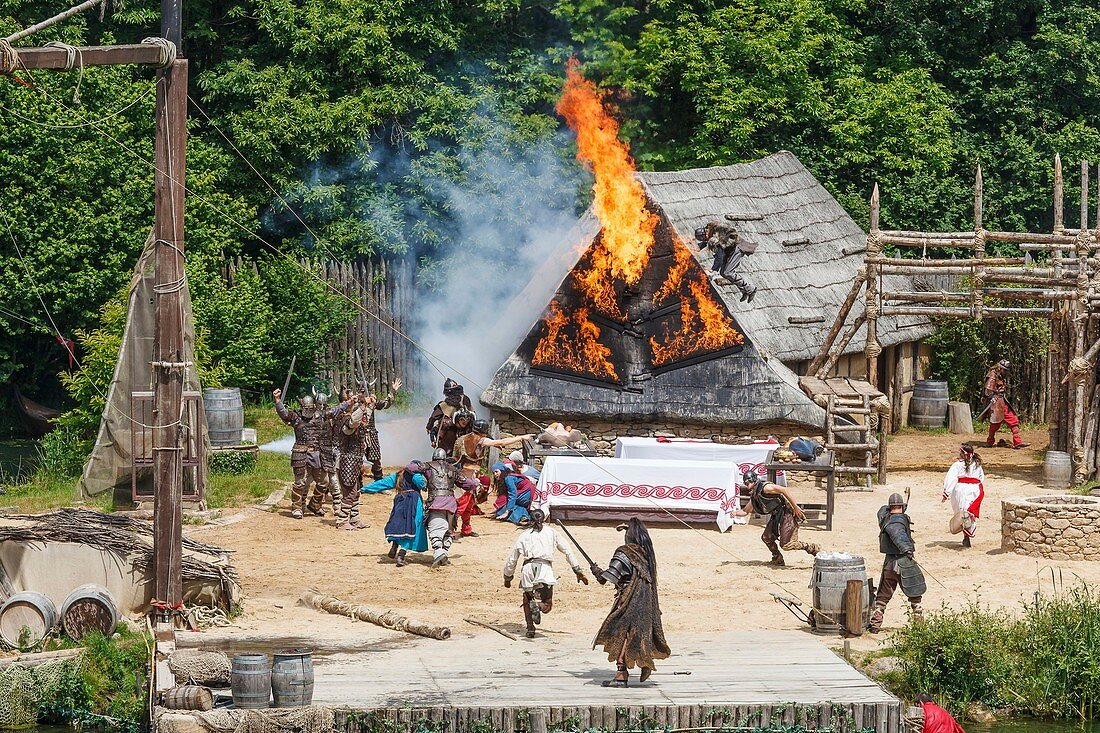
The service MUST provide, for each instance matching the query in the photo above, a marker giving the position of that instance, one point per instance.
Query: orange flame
(709, 329)
(682, 259)
(619, 199)
(575, 349)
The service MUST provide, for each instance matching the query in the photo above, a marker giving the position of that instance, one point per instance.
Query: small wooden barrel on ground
(89, 608)
(830, 580)
(251, 681)
(928, 408)
(189, 697)
(292, 678)
(26, 618)
(224, 415)
(1057, 470)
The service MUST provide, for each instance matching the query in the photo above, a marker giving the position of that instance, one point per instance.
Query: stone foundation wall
(1056, 527)
(604, 434)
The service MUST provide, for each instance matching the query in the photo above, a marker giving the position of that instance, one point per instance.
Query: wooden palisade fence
(380, 287)
(1061, 284)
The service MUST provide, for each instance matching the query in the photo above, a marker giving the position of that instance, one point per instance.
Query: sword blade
(289, 373)
(574, 541)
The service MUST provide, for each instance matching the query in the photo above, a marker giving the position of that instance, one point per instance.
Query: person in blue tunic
(406, 530)
(514, 494)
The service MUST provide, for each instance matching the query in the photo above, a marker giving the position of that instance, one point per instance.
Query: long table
(614, 488)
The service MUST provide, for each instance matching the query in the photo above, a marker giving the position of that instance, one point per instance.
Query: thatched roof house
(808, 252)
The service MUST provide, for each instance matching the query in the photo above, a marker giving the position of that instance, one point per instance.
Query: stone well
(1059, 527)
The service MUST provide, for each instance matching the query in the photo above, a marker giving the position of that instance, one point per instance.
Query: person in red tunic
(936, 719)
(996, 387)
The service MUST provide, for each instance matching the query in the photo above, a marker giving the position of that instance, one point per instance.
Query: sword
(289, 372)
(574, 541)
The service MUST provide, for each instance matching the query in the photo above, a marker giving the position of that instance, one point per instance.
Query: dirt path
(709, 581)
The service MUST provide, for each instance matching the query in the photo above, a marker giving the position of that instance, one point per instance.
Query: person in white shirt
(964, 485)
(535, 547)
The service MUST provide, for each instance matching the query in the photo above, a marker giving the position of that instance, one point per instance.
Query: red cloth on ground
(938, 720)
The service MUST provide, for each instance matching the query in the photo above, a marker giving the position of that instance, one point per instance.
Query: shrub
(232, 462)
(62, 452)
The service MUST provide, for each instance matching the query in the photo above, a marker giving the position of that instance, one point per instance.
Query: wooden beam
(1059, 209)
(934, 242)
(838, 324)
(52, 57)
(889, 262)
(168, 350)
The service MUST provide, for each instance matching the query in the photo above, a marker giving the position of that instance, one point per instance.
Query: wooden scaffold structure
(1056, 277)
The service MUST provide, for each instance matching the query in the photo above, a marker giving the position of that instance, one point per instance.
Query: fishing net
(196, 667)
(23, 688)
(269, 720)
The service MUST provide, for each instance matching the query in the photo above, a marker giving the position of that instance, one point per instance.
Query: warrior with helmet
(533, 554)
(632, 634)
(329, 428)
(783, 514)
(305, 457)
(995, 390)
(352, 446)
(441, 424)
(373, 453)
(469, 453)
(729, 249)
(895, 541)
(443, 478)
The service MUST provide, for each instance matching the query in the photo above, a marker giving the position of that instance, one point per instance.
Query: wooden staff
(385, 619)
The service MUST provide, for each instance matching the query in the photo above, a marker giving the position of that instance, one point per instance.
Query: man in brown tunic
(632, 634)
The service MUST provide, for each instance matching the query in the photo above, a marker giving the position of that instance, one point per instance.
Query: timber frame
(1063, 285)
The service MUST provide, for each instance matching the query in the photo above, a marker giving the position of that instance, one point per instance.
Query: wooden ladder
(865, 442)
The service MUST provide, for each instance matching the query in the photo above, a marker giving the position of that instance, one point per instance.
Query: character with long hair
(632, 634)
(964, 485)
(406, 529)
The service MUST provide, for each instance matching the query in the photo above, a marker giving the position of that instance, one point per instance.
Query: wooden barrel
(928, 408)
(292, 678)
(829, 582)
(251, 681)
(189, 697)
(26, 618)
(89, 608)
(224, 415)
(1057, 470)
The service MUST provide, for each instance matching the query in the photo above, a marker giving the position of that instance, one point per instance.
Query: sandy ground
(709, 581)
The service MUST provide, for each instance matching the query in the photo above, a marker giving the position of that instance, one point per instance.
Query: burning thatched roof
(808, 251)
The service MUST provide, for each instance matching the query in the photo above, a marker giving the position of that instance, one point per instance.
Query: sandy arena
(708, 581)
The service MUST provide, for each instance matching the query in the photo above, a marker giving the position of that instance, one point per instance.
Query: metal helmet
(1004, 364)
(322, 399)
(481, 426)
(463, 415)
(307, 402)
(701, 234)
(750, 477)
(896, 499)
(450, 386)
(440, 454)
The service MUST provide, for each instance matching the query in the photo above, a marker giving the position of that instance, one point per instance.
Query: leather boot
(876, 619)
(991, 439)
(918, 613)
(1017, 439)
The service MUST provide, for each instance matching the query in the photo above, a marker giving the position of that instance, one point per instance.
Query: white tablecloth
(703, 450)
(641, 484)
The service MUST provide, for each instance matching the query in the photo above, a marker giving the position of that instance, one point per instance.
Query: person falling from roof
(729, 250)
(535, 548)
(783, 512)
(632, 634)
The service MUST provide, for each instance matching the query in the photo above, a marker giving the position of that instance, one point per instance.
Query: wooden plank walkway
(720, 679)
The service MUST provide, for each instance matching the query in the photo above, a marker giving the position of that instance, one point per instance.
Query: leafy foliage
(962, 350)
(1042, 664)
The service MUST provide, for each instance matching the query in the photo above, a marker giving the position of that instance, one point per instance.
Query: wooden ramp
(722, 680)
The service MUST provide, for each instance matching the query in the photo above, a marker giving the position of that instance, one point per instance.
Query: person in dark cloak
(632, 634)
(406, 529)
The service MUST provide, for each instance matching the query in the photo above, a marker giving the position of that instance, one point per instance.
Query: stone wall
(1059, 527)
(603, 434)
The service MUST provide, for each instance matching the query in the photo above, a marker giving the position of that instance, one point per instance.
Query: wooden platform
(726, 679)
(839, 386)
